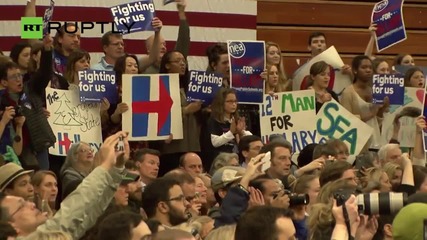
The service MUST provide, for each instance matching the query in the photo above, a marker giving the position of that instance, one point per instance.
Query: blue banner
(47, 17)
(134, 17)
(388, 85)
(247, 62)
(203, 86)
(388, 16)
(97, 84)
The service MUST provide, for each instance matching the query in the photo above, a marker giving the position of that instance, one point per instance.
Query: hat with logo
(409, 222)
(226, 175)
(10, 172)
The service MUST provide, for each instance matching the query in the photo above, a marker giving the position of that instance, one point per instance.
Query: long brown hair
(279, 87)
(72, 59)
(218, 103)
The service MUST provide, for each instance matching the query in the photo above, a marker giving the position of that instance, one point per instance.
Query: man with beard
(164, 201)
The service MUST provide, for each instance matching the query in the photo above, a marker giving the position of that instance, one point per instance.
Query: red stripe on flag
(98, 14)
(132, 46)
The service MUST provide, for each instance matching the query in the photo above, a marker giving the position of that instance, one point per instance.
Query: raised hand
(157, 24)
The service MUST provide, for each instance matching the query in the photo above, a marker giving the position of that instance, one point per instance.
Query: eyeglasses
(15, 77)
(86, 150)
(180, 198)
(183, 61)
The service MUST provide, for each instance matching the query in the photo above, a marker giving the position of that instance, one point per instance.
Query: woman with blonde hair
(375, 179)
(394, 172)
(274, 57)
(272, 81)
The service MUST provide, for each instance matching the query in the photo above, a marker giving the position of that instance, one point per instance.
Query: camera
(18, 111)
(382, 203)
(296, 199)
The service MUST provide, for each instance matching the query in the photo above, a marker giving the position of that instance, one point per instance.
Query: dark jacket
(31, 101)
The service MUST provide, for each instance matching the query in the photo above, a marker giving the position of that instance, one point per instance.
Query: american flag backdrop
(210, 21)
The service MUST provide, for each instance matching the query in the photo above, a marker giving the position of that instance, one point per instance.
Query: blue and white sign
(388, 16)
(247, 62)
(134, 16)
(97, 84)
(203, 86)
(388, 85)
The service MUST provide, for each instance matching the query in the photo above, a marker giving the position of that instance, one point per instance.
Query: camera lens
(298, 199)
(381, 203)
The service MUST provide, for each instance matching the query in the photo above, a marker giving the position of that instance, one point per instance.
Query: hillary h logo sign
(154, 106)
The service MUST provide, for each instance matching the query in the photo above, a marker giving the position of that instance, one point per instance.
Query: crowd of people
(211, 184)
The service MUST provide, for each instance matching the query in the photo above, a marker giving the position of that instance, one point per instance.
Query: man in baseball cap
(15, 181)
(221, 181)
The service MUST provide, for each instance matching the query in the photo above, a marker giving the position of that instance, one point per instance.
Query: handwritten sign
(288, 114)
(335, 122)
(154, 107)
(96, 84)
(134, 17)
(388, 85)
(47, 17)
(203, 86)
(72, 121)
(388, 16)
(337, 81)
(247, 62)
(400, 120)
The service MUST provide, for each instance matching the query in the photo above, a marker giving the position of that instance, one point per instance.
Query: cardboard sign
(154, 107)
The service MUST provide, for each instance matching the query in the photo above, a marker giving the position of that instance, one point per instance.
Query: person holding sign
(175, 62)
(414, 77)
(79, 60)
(357, 98)
(319, 81)
(225, 126)
(182, 43)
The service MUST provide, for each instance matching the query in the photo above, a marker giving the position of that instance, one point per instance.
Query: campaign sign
(425, 114)
(154, 102)
(388, 16)
(203, 86)
(336, 122)
(247, 62)
(165, 2)
(72, 120)
(134, 17)
(388, 85)
(287, 114)
(47, 17)
(95, 85)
